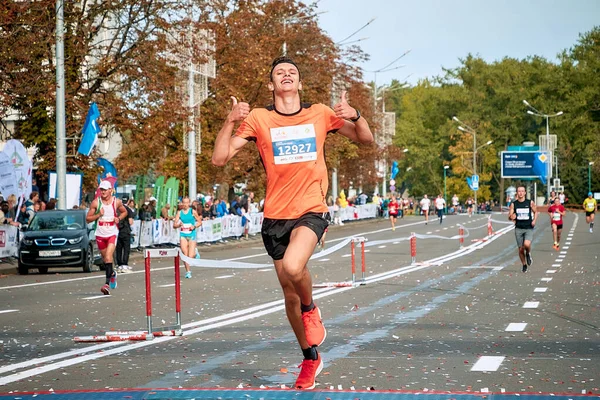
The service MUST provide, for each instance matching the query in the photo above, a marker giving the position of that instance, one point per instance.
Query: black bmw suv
(58, 238)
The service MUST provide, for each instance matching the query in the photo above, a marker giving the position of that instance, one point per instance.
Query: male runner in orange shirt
(290, 137)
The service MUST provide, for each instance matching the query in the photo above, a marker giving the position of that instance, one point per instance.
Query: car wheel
(43, 270)
(23, 270)
(88, 262)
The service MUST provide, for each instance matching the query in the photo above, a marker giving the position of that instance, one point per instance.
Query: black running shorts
(276, 232)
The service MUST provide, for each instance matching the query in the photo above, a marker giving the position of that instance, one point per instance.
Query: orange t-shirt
(291, 148)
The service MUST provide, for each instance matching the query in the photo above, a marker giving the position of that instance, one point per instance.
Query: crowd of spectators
(19, 214)
(211, 207)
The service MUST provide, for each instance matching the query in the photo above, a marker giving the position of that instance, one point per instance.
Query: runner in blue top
(188, 220)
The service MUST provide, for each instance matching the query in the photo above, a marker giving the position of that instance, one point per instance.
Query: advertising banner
(525, 164)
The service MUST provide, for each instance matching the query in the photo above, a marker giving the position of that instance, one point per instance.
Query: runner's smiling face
(285, 78)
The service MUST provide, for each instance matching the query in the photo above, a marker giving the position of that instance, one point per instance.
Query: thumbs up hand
(343, 109)
(239, 111)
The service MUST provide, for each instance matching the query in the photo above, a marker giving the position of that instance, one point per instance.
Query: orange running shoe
(314, 330)
(309, 369)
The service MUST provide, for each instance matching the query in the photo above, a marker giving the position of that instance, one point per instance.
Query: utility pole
(191, 130)
(61, 142)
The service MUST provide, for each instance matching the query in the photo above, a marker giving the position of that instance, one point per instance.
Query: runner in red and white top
(107, 211)
(556, 212)
(393, 211)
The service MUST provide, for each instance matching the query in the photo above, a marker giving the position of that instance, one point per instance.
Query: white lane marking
(319, 259)
(561, 256)
(223, 320)
(546, 279)
(566, 247)
(540, 289)
(550, 271)
(563, 252)
(556, 265)
(558, 260)
(429, 233)
(346, 255)
(531, 304)
(96, 297)
(488, 363)
(7, 311)
(495, 268)
(516, 327)
(167, 285)
(76, 353)
(382, 246)
(269, 269)
(224, 276)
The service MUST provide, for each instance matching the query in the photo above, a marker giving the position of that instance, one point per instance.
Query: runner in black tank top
(523, 212)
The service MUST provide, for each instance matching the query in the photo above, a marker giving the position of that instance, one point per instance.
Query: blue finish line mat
(282, 394)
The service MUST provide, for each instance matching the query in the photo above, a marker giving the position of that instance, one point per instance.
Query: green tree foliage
(489, 98)
(131, 58)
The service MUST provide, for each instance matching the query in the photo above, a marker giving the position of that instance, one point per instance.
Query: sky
(440, 32)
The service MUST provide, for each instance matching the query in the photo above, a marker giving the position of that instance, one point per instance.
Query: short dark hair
(283, 60)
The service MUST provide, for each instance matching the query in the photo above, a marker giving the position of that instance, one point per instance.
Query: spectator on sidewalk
(51, 205)
(124, 239)
(222, 208)
(164, 212)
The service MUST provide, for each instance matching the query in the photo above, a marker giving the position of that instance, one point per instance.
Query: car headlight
(75, 240)
(27, 242)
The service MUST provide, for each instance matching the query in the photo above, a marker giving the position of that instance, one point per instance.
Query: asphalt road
(459, 320)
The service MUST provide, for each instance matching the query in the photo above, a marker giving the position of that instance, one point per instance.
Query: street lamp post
(468, 129)
(387, 68)
(445, 203)
(537, 113)
(590, 176)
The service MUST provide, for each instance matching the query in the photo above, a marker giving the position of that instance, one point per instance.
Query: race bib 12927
(293, 144)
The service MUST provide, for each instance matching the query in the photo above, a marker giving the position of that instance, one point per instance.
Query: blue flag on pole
(108, 167)
(472, 184)
(394, 170)
(90, 131)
